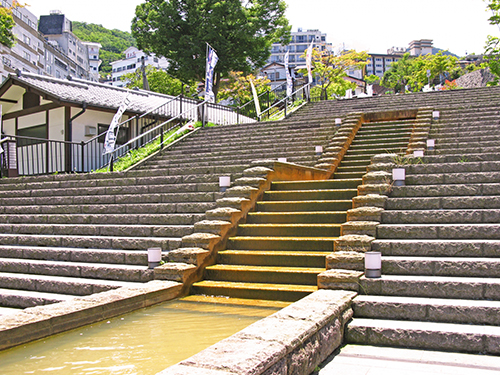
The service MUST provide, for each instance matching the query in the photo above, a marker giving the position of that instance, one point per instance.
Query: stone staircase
(279, 251)
(69, 235)
(440, 240)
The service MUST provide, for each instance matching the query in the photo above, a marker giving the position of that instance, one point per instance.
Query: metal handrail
(285, 100)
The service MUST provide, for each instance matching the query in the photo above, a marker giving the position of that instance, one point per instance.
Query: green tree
(240, 31)
(330, 71)
(159, 81)
(114, 42)
(492, 49)
(7, 23)
(399, 74)
(237, 86)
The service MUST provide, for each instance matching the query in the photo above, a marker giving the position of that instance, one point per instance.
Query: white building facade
(132, 62)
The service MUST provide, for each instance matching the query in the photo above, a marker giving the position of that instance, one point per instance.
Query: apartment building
(132, 62)
(47, 49)
(297, 47)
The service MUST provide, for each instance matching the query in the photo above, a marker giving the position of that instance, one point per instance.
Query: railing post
(82, 145)
(161, 138)
(238, 115)
(203, 120)
(111, 163)
(180, 103)
(286, 105)
(268, 99)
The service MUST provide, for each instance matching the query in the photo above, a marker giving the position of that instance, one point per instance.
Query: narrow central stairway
(279, 252)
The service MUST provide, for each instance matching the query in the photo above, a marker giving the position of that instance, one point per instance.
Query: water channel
(140, 343)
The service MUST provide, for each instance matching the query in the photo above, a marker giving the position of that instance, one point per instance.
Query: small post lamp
(418, 153)
(399, 176)
(282, 160)
(435, 115)
(430, 144)
(224, 183)
(154, 257)
(319, 150)
(373, 264)
(338, 121)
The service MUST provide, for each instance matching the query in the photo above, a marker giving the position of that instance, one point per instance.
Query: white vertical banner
(255, 98)
(110, 141)
(289, 81)
(309, 61)
(212, 59)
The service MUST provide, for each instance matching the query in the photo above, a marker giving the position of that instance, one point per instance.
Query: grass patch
(136, 155)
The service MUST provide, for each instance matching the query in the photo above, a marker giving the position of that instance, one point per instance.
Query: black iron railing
(282, 107)
(36, 156)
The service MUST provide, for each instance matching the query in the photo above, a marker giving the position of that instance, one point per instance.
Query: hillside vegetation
(113, 42)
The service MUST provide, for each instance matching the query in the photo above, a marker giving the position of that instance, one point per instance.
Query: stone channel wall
(294, 340)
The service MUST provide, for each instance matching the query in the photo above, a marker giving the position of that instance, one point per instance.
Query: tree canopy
(7, 23)
(113, 42)
(330, 71)
(159, 81)
(413, 71)
(240, 31)
(492, 49)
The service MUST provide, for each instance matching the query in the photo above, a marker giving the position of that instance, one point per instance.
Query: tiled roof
(92, 93)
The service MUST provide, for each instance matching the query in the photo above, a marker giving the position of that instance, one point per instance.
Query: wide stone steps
(121, 190)
(429, 335)
(371, 152)
(263, 274)
(475, 288)
(441, 266)
(113, 199)
(317, 217)
(120, 272)
(306, 195)
(428, 309)
(381, 144)
(314, 259)
(336, 183)
(99, 242)
(153, 208)
(280, 292)
(20, 299)
(441, 216)
(289, 230)
(438, 247)
(110, 219)
(71, 254)
(74, 286)
(453, 178)
(305, 206)
(444, 203)
(484, 189)
(439, 231)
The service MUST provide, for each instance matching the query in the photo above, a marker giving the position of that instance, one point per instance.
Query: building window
(27, 56)
(58, 74)
(122, 137)
(26, 39)
(39, 131)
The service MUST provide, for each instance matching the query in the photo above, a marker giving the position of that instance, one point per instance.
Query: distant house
(133, 61)
(276, 73)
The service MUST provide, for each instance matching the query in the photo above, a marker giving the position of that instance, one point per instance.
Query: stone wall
(294, 340)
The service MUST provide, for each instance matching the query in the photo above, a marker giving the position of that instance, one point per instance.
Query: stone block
(339, 279)
(369, 200)
(178, 272)
(202, 240)
(218, 227)
(380, 189)
(345, 260)
(365, 214)
(257, 172)
(386, 167)
(368, 228)
(357, 243)
(223, 213)
(378, 177)
(255, 182)
(189, 255)
(384, 158)
(233, 202)
(242, 192)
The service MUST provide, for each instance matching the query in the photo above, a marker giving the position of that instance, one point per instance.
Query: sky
(460, 26)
